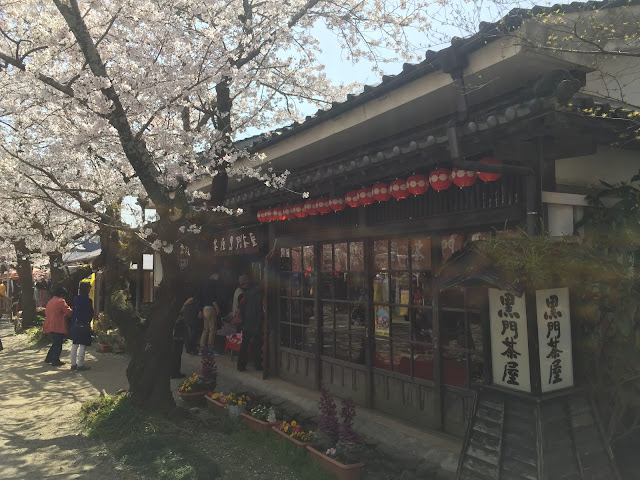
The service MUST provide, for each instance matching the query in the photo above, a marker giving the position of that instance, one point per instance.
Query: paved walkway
(39, 406)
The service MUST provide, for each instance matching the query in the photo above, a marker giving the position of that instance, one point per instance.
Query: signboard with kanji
(554, 338)
(509, 340)
(239, 242)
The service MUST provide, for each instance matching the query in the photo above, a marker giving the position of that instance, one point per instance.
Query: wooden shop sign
(238, 242)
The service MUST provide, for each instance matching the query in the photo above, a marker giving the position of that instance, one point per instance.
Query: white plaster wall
(606, 164)
(616, 79)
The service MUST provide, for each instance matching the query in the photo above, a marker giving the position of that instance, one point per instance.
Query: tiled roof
(487, 32)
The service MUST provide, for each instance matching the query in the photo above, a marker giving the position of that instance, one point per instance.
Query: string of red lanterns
(439, 179)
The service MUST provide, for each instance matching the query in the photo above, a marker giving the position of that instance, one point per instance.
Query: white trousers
(79, 349)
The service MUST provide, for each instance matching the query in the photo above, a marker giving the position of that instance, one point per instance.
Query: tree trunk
(55, 264)
(25, 272)
(149, 341)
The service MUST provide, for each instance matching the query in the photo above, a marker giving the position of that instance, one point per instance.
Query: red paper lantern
(398, 189)
(381, 192)
(287, 213)
(463, 178)
(351, 198)
(298, 210)
(311, 207)
(323, 206)
(486, 176)
(260, 216)
(280, 214)
(440, 179)
(337, 204)
(365, 196)
(417, 184)
(270, 215)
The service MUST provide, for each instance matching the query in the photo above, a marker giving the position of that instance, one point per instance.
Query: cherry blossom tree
(34, 231)
(101, 100)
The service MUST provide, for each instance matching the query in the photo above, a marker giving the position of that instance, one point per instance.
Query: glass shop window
(461, 336)
(402, 306)
(342, 288)
(297, 282)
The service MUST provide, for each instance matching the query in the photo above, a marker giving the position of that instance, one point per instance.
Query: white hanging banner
(509, 340)
(554, 338)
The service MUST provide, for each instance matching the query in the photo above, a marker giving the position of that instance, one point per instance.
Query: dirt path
(39, 405)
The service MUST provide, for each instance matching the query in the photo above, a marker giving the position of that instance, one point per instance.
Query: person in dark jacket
(81, 316)
(252, 309)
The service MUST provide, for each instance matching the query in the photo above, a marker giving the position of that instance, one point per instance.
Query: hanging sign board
(509, 340)
(554, 339)
(239, 242)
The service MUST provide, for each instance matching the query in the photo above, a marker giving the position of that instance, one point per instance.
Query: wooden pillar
(272, 281)
(317, 312)
(369, 320)
(436, 261)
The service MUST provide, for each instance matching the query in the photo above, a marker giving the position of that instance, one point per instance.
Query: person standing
(252, 306)
(243, 285)
(210, 311)
(55, 324)
(81, 317)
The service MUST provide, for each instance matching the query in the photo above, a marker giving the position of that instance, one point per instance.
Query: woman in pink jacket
(56, 313)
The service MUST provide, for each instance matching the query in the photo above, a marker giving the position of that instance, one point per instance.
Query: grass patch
(267, 445)
(114, 418)
(195, 449)
(163, 456)
(150, 445)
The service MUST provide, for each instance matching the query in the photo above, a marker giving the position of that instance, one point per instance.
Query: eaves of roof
(487, 33)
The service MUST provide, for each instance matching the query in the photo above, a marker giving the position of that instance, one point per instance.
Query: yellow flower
(293, 424)
(239, 402)
(286, 429)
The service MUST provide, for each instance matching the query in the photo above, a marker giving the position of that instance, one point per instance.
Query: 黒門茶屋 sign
(509, 340)
(554, 339)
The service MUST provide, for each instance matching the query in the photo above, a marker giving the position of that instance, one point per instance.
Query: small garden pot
(235, 410)
(338, 470)
(105, 347)
(257, 425)
(192, 398)
(298, 444)
(219, 409)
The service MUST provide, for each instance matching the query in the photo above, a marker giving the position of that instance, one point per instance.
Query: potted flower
(294, 433)
(218, 402)
(236, 404)
(191, 391)
(105, 342)
(261, 418)
(194, 388)
(336, 447)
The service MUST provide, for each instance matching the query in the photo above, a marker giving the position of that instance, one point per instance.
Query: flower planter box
(338, 470)
(298, 444)
(192, 398)
(219, 408)
(105, 347)
(257, 425)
